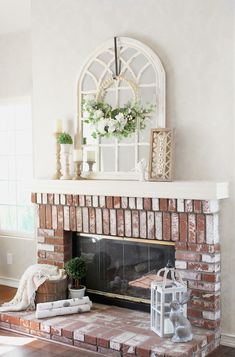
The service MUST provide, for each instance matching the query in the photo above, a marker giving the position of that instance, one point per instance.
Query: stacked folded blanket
(63, 307)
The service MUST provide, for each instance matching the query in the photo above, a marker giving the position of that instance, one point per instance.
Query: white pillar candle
(77, 155)
(58, 126)
(91, 155)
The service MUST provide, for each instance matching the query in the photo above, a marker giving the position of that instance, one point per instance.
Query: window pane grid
(16, 169)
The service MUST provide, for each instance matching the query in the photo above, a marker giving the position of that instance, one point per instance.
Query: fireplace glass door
(121, 268)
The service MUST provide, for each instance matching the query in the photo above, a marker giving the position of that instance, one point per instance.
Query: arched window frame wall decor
(158, 86)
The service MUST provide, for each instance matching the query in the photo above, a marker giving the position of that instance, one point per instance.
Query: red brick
(34, 325)
(120, 222)
(54, 241)
(172, 205)
(183, 226)
(11, 319)
(75, 200)
(109, 201)
(41, 254)
(117, 202)
(181, 245)
(128, 224)
(200, 221)
(163, 204)
(150, 225)
(200, 266)
(211, 278)
(175, 227)
(73, 220)
(204, 248)
(79, 219)
(166, 226)
(92, 227)
(42, 216)
(194, 313)
(62, 339)
(192, 228)
(69, 200)
(106, 228)
(85, 346)
(197, 206)
(147, 204)
(33, 197)
(188, 256)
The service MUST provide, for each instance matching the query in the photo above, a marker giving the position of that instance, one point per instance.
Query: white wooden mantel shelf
(198, 190)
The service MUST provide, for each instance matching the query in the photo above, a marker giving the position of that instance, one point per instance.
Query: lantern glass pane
(168, 327)
(158, 302)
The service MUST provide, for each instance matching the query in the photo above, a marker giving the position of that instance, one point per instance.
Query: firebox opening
(120, 270)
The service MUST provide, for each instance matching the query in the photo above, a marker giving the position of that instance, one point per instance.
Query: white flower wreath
(118, 122)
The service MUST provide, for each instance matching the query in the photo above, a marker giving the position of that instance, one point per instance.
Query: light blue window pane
(8, 220)
(25, 217)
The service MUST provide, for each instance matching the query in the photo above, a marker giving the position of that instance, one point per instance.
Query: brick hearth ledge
(186, 213)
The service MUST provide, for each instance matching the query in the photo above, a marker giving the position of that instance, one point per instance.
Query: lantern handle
(174, 275)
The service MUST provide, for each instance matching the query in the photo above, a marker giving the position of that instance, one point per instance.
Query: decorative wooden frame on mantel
(161, 153)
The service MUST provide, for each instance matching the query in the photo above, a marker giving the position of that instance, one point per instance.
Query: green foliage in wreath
(120, 122)
(65, 138)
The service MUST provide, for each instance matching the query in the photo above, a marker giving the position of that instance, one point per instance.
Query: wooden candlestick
(58, 173)
(78, 170)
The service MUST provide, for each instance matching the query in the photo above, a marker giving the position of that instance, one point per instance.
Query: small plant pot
(77, 293)
(66, 148)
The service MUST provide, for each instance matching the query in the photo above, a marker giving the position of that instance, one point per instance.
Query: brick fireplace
(192, 224)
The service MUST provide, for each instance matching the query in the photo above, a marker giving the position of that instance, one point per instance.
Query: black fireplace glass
(121, 267)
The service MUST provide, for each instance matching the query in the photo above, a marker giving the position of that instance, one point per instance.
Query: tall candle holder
(78, 170)
(90, 165)
(58, 173)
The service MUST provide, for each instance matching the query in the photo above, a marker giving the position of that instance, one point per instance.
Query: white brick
(44, 198)
(211, 206)
(211, 258)
(46, 247)
(211, 315)
(39, 198)
(212, 229)
(80, 333)
(115, 343)
(139, 203)
(62, 199)
(158, 225)
(95, 201)
(66, 218)
(132, 203)
(180, 264)
(57, 199)
(180, 205)
(113, 222)
(155, 203)
(188, 206)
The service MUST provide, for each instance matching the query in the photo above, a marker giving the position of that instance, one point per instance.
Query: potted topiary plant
(65, 140)
(76, 269)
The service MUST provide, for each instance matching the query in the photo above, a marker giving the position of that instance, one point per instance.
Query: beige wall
(194, 39)
(15, 81)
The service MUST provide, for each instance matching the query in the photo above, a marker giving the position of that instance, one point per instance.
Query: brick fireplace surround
(191, 224)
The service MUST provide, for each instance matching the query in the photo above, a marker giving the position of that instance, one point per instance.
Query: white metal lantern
(163, 291)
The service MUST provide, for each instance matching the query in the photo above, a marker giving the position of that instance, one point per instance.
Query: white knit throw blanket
(33, 277)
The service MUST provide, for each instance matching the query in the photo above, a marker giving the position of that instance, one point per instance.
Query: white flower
(112, 124)
(102, 124)
(86, 114)
(98, 114)
(121, 120)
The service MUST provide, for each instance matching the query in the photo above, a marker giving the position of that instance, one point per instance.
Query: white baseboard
(14, 283)
(227, 339)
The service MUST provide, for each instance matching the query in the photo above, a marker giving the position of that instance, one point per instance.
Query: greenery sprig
(65, 138)
(120, 122)
(76, 270)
